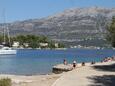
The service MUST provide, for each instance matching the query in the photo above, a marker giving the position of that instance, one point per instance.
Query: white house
(43, 44)
(15, 44)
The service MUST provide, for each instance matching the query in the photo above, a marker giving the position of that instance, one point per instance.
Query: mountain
(84, 26)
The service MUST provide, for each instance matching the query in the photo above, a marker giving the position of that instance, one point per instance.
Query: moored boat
(7, 50)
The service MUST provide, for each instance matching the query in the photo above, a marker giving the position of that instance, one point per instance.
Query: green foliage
(111, 32)
(1, 39)
(5, 82)
(32, 41)
(51, 45)
(60, 45)
(6, 39)
(33, 45)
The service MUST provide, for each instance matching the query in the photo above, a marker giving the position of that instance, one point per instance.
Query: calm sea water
(31, 62)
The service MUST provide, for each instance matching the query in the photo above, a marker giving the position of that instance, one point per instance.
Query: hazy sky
(30, 9)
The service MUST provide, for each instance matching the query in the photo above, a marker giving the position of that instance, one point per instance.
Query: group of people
(74, 63)
(107, 59)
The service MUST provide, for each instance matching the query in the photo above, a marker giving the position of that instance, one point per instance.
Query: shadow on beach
(105, 80)
(108, 68)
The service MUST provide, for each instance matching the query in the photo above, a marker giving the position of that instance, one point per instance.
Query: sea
(35, 62)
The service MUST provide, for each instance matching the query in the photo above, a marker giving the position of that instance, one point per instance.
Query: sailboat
(4, 48)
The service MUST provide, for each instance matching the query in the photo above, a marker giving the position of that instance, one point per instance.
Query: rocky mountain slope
(73, 26)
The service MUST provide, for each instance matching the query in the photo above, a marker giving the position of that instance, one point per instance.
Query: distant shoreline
(98, 48)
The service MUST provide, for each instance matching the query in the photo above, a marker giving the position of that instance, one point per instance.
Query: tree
(111, 32)
(31, 41)
(1, 39)
(51, 45)
(21, 39)
(60, 45)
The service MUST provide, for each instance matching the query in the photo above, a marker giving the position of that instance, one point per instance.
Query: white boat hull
(7, 52)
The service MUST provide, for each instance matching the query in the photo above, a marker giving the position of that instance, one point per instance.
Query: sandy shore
(35, 80)
(100, 74)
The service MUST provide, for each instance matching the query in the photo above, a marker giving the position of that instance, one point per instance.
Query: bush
(5, 82)
(111, 32)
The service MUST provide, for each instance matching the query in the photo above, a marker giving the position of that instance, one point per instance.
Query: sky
(17, 10)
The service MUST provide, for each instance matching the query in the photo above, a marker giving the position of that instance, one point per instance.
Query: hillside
(72, 26)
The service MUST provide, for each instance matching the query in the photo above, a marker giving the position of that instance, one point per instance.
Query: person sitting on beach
(113, 58)
(93, 62)
(74, 64)
(64, 62)
(83, 63)
(107, 59)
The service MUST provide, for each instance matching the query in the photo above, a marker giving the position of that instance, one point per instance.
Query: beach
(99, 74)
(34, 80)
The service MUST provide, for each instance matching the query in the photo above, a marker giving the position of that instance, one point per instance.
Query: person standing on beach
(74, 64)
(64, 62)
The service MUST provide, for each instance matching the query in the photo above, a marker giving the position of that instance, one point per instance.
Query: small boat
(4, 50)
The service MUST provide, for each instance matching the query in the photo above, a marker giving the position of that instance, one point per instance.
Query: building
(15, 44)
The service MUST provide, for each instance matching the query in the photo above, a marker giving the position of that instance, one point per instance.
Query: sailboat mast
(4, 30)
(4, 35)
(8, 36)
